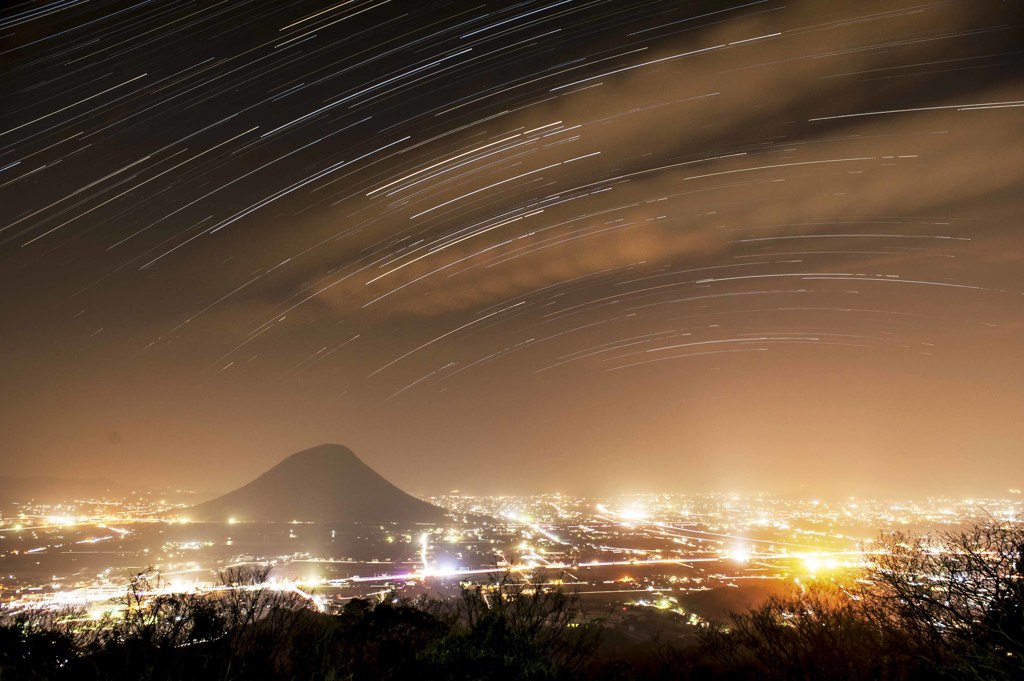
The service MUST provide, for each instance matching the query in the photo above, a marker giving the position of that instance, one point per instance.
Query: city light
(718, 541)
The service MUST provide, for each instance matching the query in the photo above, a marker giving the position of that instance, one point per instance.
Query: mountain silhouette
(323, 484)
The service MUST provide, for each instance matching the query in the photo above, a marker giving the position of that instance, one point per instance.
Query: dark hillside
(322, 484)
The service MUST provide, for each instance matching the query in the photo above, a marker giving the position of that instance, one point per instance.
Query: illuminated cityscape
(680, 552)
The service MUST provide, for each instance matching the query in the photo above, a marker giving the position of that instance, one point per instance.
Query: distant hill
(323, 484)
(52, 489)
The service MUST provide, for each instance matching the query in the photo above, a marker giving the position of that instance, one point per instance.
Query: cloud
(684, 158)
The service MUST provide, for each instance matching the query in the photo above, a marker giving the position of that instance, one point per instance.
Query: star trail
(566, 245)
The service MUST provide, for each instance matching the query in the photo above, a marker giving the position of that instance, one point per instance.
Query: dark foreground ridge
(322, 484)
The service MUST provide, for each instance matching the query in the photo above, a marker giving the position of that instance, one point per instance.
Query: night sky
(509, 247)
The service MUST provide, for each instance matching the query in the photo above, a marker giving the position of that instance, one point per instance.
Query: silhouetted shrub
(959, 596)
(816, 633)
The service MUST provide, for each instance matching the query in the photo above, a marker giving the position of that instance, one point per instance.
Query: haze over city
(586, 247)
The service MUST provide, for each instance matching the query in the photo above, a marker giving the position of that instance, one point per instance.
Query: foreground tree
(949, 605)
(958, 595)
(513, 628)
(36, 645)
(816, 633)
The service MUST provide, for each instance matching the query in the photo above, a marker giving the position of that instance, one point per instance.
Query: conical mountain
(323, 484)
